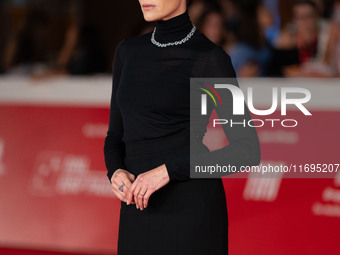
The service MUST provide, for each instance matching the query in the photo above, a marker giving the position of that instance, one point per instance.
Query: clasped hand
(138, 190)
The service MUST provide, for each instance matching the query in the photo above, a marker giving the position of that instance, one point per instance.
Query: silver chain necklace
(172, 43)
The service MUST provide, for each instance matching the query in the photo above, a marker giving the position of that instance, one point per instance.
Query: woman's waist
(158, 144)
(181, 139)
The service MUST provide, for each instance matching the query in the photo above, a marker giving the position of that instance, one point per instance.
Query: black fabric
(187, 217)
(149, 126)
(150, 96)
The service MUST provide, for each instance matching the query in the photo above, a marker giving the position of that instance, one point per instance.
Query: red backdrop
(54, 193)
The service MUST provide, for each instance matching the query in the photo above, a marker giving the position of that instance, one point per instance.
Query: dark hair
(306, 2)
(245, 27)
(29, 47)
(247, 5)
(209, 10)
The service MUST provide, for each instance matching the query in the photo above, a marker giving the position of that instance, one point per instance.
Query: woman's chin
(150, 17)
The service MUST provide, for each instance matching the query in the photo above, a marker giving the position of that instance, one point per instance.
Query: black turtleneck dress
(149, 126)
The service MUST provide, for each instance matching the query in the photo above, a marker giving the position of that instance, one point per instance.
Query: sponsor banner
(54, 193)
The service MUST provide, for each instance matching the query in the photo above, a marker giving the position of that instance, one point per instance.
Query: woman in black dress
(164, 211)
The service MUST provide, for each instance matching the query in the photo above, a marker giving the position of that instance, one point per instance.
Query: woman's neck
(173, 29)
(177, 12)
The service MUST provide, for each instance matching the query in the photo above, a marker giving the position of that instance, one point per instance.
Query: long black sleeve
(114, 147)
(243, 148)
(151, 99)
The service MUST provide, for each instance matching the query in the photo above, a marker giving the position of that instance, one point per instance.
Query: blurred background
(55, 85)
(264, 37)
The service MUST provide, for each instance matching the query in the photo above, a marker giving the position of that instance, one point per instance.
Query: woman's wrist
(164, 173)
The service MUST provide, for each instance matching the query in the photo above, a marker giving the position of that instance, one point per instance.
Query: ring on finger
(121, 188)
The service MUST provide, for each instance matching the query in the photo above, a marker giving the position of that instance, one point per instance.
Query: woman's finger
(129, 196)
(136, 194)
(127, 183)
(141, 194)
(117, 182)
(124, 177)
(119, 195)
(146, 198)
(115, 185)
(131, 177)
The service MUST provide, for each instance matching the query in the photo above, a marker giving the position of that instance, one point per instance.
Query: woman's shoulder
(217, 61)
(212, 50)
(133, 42)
